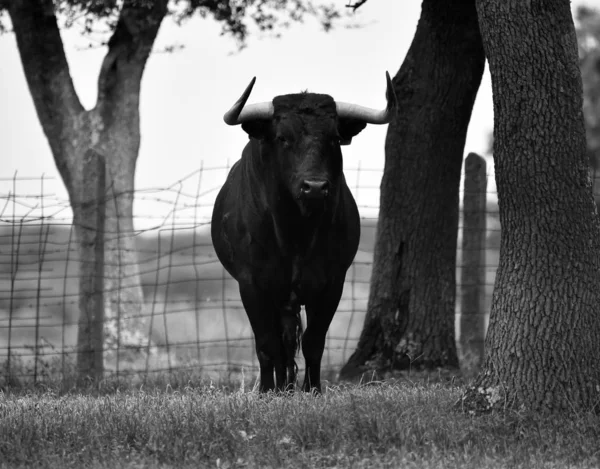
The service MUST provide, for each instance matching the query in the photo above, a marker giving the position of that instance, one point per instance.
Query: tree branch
(130, 45)
(45, 64)
(357, 5)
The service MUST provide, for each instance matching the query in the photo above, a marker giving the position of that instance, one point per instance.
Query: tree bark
(410, 315)
(542, 347)
(110, 129)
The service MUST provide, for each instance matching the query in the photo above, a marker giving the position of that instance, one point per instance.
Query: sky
(185, 93)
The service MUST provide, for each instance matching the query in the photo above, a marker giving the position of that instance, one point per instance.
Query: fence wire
(192, 315)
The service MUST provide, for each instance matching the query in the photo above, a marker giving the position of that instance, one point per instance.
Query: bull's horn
(240, 113)
(368, 115)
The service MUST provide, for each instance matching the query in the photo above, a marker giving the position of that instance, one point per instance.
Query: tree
(588, 35)
(111, 129)
(543, 342)
(410, 314)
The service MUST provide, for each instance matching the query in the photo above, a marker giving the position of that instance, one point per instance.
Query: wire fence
(192, 315)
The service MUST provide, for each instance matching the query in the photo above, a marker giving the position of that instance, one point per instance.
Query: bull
(285, 224)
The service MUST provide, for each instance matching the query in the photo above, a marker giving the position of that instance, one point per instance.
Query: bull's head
(302, 133)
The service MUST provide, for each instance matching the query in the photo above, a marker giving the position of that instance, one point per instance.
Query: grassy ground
(397, 424)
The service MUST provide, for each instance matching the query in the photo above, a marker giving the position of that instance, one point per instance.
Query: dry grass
(198, 424)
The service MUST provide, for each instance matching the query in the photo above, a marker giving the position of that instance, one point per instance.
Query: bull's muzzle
(314, 189)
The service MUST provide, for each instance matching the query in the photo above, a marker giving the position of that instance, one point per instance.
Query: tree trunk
(410, 315)
(542, 347)
(110, 129)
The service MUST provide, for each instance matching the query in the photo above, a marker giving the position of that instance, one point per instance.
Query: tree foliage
(238, 18)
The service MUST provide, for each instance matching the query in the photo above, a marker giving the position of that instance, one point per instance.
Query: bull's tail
(291, 323)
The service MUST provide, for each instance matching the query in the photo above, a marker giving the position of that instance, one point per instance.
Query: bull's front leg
(263, 318)
(319, 313)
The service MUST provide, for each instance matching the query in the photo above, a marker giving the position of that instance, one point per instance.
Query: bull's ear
(348, 128)
(257, 129)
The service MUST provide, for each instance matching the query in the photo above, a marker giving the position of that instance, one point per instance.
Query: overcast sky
(185, 93)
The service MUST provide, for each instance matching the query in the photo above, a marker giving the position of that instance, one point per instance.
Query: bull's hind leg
(319, 313)
(265, 325)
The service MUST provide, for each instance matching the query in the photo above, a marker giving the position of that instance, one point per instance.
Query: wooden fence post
(472, 318)
(90, 339)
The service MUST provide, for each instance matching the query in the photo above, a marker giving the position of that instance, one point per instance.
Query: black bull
(286, 226)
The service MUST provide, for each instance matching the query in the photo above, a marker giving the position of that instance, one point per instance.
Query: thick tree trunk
(111, 130)
(410, 315)
(543, 341)
(118, 128)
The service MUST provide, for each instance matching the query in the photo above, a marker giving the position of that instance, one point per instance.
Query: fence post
(90, 339)
(472, 318)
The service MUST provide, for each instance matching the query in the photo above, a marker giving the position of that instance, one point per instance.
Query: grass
(396, 424)
(181, 420)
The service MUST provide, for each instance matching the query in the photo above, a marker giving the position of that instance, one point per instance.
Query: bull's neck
(295, 234)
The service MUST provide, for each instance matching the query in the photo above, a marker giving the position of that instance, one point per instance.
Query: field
(179, 419)
(402, 423)
(192, 309)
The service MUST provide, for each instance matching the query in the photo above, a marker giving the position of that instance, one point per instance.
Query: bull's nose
(315, 189)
